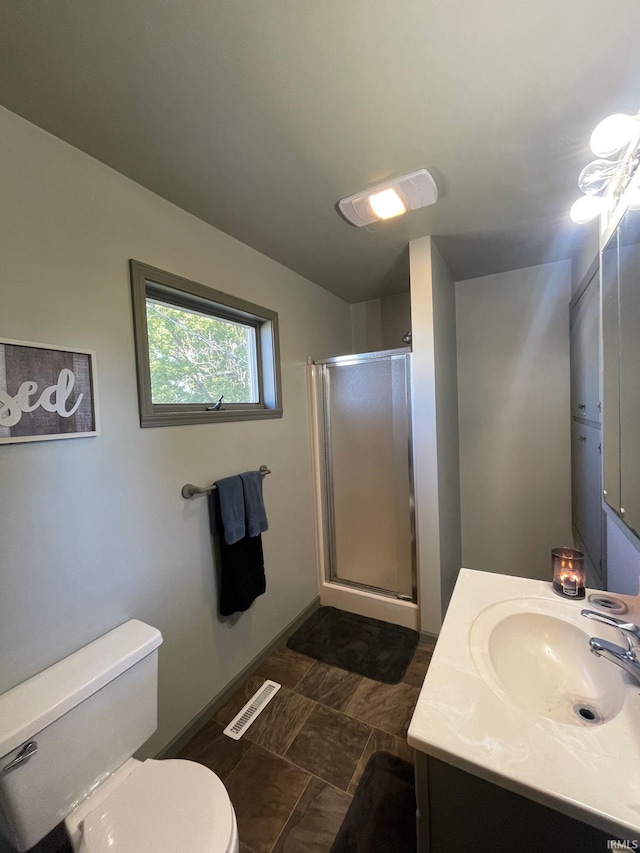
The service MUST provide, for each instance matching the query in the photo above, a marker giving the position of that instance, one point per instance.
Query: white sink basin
(531, 652)
(502, 699)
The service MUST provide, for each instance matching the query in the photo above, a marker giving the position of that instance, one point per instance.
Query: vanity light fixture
(390, 198)
(586, 208)
(614, 134)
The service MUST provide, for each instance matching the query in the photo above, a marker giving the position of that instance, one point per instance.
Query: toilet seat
(166, 806)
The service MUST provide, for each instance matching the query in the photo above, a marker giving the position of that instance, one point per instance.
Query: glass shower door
(368, 482)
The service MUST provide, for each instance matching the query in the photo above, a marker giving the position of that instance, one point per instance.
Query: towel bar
(189, 490)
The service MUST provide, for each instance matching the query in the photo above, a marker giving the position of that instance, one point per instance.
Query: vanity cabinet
(586, 443)
(505, 758)
(459, 813)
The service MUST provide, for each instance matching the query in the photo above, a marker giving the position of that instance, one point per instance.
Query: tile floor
(291, 777)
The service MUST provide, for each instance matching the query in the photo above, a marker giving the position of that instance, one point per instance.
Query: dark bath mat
(368, 647)
(382, 816)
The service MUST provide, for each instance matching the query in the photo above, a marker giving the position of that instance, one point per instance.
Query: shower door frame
(322, 374)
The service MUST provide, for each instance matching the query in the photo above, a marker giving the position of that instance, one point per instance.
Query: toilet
(67, 739)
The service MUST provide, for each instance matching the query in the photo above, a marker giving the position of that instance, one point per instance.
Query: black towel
(241, 574)
(242, 577)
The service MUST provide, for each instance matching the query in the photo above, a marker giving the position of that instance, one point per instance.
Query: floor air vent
(258, 702)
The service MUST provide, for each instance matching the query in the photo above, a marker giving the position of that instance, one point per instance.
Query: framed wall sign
(46, 392)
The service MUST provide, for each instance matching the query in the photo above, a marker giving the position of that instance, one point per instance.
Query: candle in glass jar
(568, 572)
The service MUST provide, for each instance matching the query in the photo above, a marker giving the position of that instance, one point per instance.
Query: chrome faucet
(626, 659)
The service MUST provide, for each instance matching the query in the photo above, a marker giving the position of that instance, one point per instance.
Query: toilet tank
(87, 714)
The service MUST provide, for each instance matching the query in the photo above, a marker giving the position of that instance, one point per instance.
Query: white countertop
(589, 772)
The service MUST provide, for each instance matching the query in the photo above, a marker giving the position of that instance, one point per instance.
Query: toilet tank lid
(28, 708)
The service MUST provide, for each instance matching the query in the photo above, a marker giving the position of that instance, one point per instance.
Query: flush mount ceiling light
(603, 180)
(391, 198)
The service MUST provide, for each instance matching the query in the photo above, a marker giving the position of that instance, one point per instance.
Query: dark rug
(382, 815)
(368, 647)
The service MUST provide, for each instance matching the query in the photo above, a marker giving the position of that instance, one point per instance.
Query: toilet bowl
(170, 806)
(67, 739)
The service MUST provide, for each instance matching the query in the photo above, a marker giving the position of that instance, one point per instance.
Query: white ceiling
(258, 115)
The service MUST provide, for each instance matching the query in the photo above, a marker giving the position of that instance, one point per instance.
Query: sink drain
(588, 713)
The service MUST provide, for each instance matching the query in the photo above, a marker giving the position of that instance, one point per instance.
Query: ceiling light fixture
(391, 198)
(603, 180)
(387, 204)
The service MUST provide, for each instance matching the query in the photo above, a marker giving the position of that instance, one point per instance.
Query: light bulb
(587, 208)
(386, 204)
(597, 174)
(612, 134)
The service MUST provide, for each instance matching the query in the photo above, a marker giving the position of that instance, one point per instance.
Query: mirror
(621, 369)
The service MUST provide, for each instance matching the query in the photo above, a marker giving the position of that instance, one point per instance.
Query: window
(202, 356)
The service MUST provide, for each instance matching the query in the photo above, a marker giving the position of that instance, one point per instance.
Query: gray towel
(232, 504)
(253, 503)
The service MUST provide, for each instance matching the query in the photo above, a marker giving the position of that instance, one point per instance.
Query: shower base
(384, 607)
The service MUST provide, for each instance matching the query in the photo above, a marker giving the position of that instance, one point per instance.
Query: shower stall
(364, 476)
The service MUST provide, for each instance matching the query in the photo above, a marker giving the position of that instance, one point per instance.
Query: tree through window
(196, 358)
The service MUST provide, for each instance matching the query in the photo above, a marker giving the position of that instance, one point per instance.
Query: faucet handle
(597, 645)
(630, 630)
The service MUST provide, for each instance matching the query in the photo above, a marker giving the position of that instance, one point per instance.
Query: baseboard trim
(183, 737)
(426, 637)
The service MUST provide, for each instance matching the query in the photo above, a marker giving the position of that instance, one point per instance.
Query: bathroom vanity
(524, 739)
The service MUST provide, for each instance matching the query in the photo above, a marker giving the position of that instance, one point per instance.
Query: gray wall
(446, 367)
(396, 319)
(435, 430)
(381, 323)
(513, 384)
(94, 530)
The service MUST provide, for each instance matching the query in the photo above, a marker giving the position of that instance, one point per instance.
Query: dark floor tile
(280, 722)
(380, 740)
(264, 790)
(384, 706)
(214, 749)
(329, 745)
(315, 821)
(244, 848)
(418, 667)
(329, 685)
(285, 666)
(227, 712)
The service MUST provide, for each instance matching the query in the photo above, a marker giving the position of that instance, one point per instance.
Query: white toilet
(67, 737)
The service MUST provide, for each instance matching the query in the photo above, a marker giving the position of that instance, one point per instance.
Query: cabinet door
(586, 489)
(585, 353)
